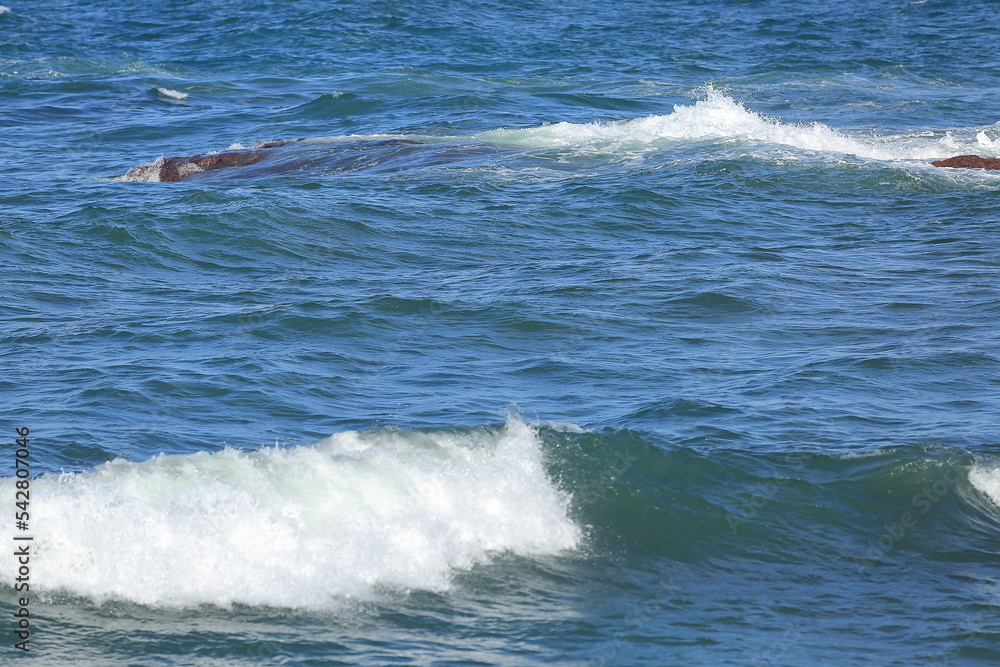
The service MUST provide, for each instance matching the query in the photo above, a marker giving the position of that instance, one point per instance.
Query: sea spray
(716, 118)
(300, 527)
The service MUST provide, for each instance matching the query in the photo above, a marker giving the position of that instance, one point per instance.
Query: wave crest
(301, 527)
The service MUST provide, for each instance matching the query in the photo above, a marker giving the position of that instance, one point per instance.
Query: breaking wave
(717, 119)
(301, 527)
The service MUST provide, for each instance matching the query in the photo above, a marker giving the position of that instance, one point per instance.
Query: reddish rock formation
(176, 168)
(969, 162)
(179, 168)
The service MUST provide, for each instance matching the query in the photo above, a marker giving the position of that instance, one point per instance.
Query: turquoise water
(626, 333)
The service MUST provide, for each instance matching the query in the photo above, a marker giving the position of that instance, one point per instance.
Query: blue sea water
(631, 333)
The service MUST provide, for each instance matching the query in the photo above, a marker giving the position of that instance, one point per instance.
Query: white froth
(5, 10)
(147, 172)
(717, 119)
(172, 94)
(720, 118)
(987, 481)
(301, 527)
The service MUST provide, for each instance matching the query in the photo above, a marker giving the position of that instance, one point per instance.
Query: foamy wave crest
(302, 527)
(147, 172)
(983, 139)
(987, 482)
(719, 117)
(170, 94)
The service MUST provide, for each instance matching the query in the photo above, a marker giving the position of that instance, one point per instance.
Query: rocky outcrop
(176, 168)
(179, 168)
(969, 162)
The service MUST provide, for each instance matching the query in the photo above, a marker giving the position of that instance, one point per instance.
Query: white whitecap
(172, 94)
(986, 481)
(301, 527)
(147, 172)
(720, 118)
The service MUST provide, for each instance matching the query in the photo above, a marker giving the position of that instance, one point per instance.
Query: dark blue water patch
(332, 105)
(712, 304)
(685, 409)
(602, 102)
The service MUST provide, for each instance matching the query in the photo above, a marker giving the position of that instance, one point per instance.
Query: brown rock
(969, 162)
(179, 168)
(176, 168)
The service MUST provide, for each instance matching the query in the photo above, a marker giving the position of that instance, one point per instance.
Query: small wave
(686, 503)
(718, 117)
(149, 172)
(170, 94)
(302, 527)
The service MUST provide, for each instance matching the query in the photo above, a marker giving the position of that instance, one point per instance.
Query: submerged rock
(176, 168)
(180, 168)
(969, 162)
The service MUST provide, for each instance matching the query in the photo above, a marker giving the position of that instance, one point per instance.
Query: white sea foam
(986, 481)
(172, 94)
(720, 118)
(147, 172)
(5, 10)
(302, 527)
(717, 119)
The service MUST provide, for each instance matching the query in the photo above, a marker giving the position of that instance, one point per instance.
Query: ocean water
(577, 333)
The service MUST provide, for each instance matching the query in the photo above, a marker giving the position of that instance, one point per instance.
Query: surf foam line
(718, 117)
(302, 527)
